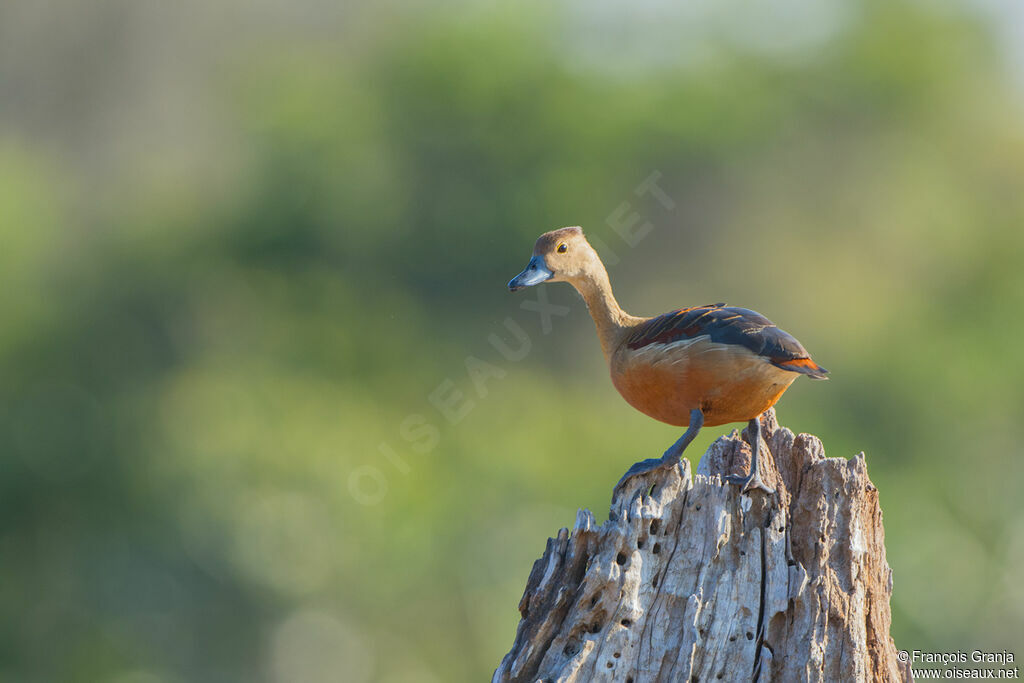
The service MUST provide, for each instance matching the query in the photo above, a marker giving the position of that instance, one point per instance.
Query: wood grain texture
(690, 581)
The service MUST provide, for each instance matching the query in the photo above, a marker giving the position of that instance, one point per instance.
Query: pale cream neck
(613, 323)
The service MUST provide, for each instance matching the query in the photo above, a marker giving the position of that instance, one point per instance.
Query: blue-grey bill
(536, 272)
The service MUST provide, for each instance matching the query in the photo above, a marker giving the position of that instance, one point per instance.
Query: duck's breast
(727, 382)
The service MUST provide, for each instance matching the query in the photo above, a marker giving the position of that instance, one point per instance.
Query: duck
(695, 367)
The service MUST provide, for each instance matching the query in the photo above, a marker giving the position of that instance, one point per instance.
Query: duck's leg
(671, 456)
(753, 481)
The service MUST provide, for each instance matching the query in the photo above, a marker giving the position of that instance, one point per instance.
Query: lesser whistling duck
(705, 365)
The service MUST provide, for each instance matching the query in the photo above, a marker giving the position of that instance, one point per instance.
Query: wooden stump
(689, 580)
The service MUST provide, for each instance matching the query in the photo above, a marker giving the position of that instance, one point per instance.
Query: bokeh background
(246, 249)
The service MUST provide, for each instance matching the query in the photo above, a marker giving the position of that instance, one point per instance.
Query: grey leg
(753, 481)
(671, 456)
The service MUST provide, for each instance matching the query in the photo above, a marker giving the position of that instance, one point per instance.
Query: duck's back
(731, 363)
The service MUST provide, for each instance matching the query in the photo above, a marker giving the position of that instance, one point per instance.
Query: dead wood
(689, 580)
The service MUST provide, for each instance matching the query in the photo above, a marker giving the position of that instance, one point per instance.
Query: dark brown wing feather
(729, 325)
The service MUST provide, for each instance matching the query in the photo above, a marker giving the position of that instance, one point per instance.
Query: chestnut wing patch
(727, 325)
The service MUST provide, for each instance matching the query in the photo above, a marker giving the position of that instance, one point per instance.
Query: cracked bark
(690, 581)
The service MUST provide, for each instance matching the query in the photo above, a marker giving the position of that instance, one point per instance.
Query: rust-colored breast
(727, 382)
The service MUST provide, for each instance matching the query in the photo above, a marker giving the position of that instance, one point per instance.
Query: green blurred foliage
(241, 249)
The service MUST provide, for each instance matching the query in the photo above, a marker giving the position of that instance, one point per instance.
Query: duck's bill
(536, 272)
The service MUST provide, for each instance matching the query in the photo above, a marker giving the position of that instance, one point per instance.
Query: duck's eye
(562, 248)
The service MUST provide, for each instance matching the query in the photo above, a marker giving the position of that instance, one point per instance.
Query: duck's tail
(805, 366)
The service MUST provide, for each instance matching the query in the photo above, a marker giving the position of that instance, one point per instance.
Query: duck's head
(562, 255)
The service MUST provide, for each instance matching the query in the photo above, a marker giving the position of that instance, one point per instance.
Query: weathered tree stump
(689, 580)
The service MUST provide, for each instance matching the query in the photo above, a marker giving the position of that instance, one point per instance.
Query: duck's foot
(671, 457)
(644, 467)
(754, 480)
(749, 483)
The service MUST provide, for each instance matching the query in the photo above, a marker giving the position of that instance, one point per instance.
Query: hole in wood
(750, 636)
(656, 549)
(655, 525)
(626, 622)
(621, 559)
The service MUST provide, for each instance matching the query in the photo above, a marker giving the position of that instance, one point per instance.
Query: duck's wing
(728, 325)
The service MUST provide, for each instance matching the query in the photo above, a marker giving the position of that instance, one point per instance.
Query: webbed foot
(751, 482)
(642, 467)
(671, 457)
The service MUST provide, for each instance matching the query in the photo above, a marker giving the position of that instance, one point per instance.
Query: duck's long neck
(611, 321)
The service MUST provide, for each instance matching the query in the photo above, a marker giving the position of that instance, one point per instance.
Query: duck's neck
(611, 321)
